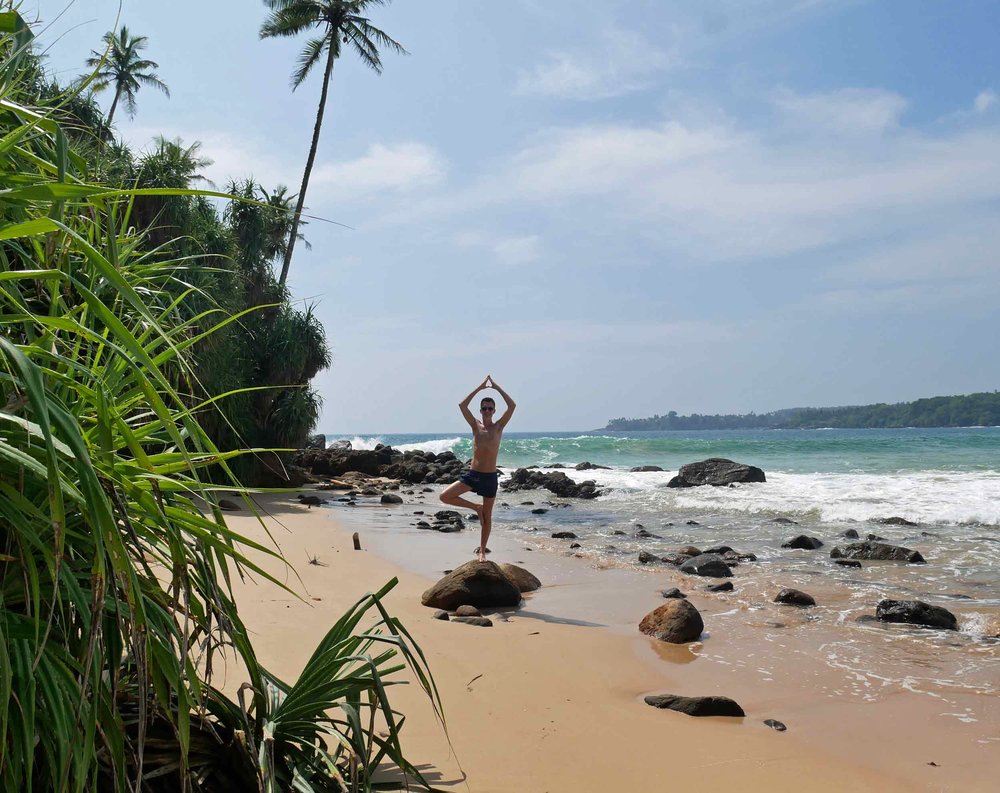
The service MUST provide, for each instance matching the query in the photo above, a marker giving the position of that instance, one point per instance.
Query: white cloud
(985, 100)
(624, 62)
(400, 167)
(716, 191)
(508, 251)
(518, 250)
(384, 168)
(854, 111)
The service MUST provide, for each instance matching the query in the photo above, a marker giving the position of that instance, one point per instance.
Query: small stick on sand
(357, 542)
(468, 686)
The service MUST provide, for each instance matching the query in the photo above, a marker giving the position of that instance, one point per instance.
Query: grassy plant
(115, 564)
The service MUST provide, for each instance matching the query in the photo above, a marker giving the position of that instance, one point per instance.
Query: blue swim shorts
(484, 485)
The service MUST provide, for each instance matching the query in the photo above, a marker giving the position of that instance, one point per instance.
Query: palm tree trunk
(114, 105)
(309, 166)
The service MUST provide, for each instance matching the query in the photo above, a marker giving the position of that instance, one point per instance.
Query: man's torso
(485, 448)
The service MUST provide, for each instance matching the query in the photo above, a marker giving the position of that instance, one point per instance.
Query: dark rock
(311, 501)
(522, 579)
(645, 557)
(539, 511)
(794, 597)
(447, 514)
(441, 614)
(341, 444)
(318, 442)
(850, 534)
(725, 586)
(642, 534)
(423, 524)
(746, 557)
(476, 583)
(527, 503)
(877, 551)
(774, 724)
(804, 542)
(718, 549)
(916, 612)
(689, 550)
(785, 521)
(895, 521)
(618, 531)
(391, 498)
(875, 538)
(862, 618)
(482, 622)
(588, 466)
(556, 482)
(575, 545)
(563, 535)
(673, 593)
(847, 562)
(696, 706)
(676, 621)
(476, 550)
(691, 523)
(707, 564)
(228, 506)
(645, 469)
(468, 611)
(715, 471)
(675, 558)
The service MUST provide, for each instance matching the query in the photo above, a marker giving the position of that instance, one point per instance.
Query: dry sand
(536, 705)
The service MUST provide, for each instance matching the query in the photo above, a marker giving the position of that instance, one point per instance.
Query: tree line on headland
(972, 410)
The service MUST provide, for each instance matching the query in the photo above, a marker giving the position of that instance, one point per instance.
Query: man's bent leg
(486, 521)
(452, 496)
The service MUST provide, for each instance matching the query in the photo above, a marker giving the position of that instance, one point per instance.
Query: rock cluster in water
(414, 466)
(716, 471)
(555, 481)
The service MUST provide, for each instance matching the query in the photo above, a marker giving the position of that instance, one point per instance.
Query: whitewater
(928, 476)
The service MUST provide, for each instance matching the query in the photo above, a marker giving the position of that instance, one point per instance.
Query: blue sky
(617, 209)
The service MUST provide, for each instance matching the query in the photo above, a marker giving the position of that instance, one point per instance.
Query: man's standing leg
(486, 523)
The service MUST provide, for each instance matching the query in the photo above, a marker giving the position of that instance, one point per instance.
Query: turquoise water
(789, 451)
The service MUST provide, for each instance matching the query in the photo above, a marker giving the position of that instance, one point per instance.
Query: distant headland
(972, 410)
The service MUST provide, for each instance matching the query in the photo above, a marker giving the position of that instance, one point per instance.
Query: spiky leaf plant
(115, 563)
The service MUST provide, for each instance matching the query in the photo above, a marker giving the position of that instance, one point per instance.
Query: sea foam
(944, 497)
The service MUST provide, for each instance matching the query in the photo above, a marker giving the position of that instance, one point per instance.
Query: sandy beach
(546, 700)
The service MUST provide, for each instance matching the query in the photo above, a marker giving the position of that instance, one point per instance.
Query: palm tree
(337, 22)
(120, 66)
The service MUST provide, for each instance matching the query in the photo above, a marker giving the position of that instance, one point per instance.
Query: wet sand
(550, 697)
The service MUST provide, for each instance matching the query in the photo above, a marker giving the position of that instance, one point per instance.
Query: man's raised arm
(510, 405)
(464, 404)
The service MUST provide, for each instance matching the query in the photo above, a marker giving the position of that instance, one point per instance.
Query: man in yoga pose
(481, 478)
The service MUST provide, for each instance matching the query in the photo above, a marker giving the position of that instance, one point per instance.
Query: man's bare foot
(482, 555)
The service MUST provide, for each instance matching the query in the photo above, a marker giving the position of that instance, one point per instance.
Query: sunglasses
(486, 410)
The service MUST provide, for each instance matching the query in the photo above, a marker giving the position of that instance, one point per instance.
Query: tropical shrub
(115, 561)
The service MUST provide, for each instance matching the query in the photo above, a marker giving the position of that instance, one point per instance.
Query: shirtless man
(481, 479)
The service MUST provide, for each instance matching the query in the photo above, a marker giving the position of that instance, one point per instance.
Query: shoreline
(551, 684)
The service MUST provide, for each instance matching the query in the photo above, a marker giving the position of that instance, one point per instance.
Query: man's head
(487, 407)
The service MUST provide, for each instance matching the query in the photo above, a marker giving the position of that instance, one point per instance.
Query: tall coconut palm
(336, 22)
(120, 66)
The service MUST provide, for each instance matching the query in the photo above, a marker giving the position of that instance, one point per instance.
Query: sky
(614, 208)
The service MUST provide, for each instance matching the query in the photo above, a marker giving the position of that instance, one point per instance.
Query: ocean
(826, 481)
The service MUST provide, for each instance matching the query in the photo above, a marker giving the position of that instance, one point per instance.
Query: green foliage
(115, 562)
(121, 67)
(974, 410)
(334, 22)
